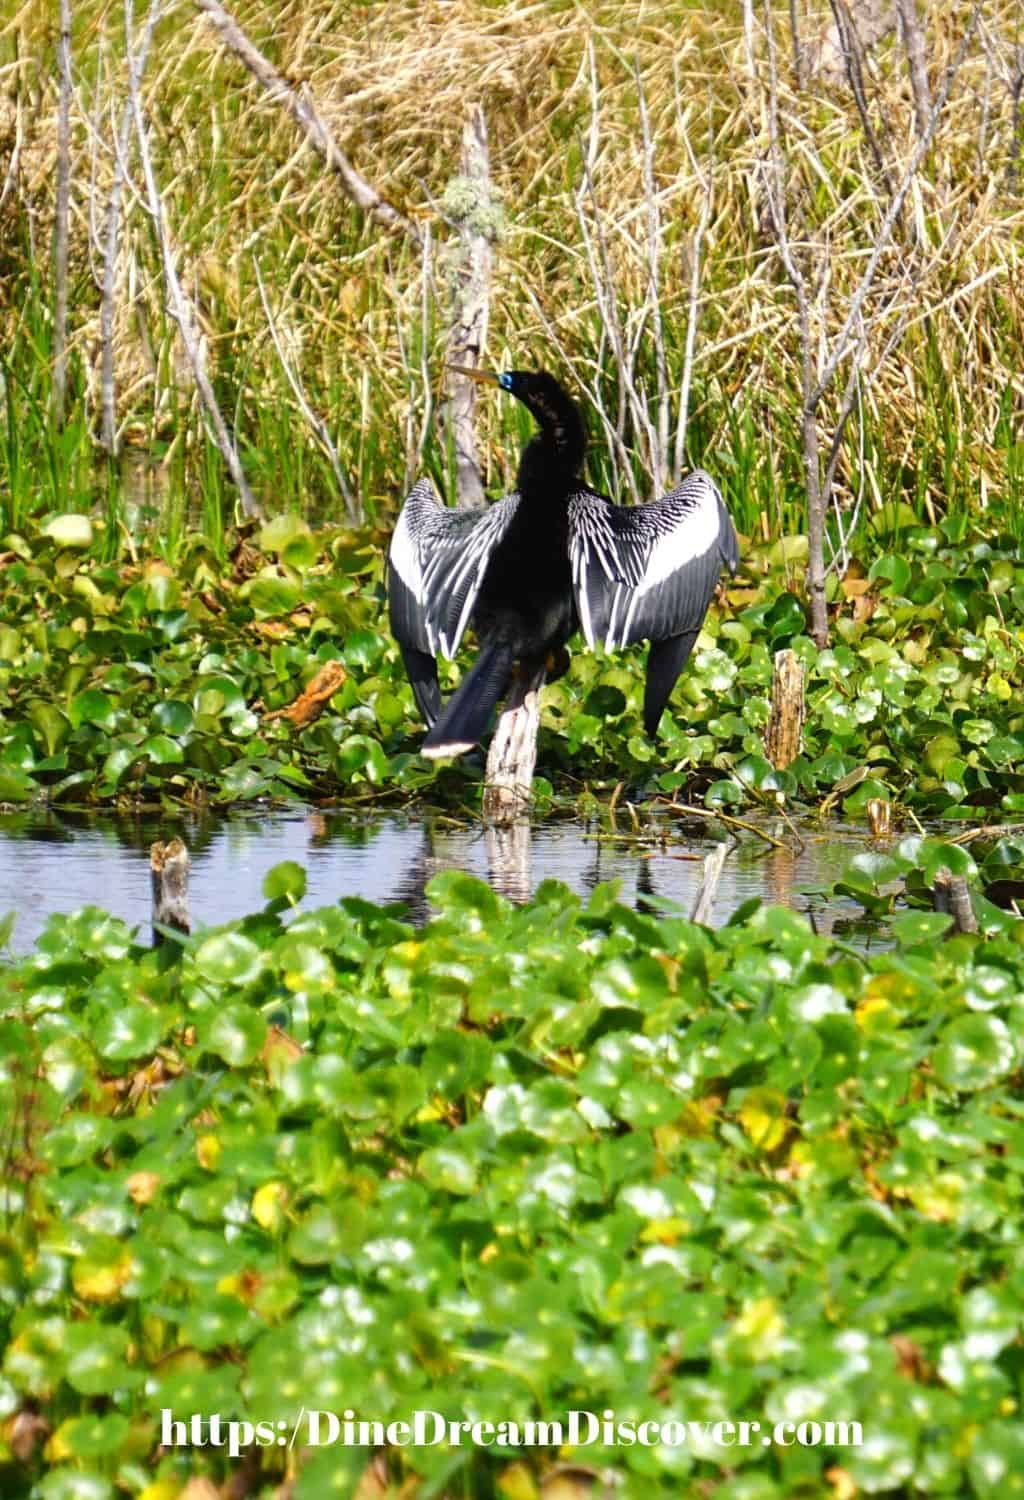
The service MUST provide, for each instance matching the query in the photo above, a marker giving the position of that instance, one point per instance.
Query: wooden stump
(879, 817)
(513, 753)
(951, 896)
(782, 736)
(169, 866)
(705, 900)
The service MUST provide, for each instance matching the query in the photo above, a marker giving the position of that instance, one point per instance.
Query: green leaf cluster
(519, 1160)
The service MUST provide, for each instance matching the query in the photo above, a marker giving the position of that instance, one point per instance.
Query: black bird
(550, 558)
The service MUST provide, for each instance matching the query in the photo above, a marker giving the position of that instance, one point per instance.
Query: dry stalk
(317, 424)
(913, 42)
(62, 214)
(706, 180)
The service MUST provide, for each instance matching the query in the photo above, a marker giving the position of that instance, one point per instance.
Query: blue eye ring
(505, 381)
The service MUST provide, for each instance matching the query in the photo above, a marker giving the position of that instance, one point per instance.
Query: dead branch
(469, 205)
(867, 280)
(305, 114)
(913, 42)
(816, 382)
(108, 391)
(178, 304)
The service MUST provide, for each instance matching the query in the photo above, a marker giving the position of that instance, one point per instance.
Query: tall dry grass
(638, 256)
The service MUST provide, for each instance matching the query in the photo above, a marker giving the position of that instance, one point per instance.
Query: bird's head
(557, 451)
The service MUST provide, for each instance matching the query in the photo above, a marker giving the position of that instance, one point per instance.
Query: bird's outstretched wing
(648, 572)
(436, 564)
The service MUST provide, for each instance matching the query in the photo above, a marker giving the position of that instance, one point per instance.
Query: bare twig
(867, 280)
(852, 50)
(305, 114)
(179, 306)
(913, 42)
(818, 368)
(108, 392)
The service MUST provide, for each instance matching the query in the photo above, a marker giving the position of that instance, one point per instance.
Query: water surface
(55, 862)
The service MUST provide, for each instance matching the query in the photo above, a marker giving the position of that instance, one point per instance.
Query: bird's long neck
(552, 461)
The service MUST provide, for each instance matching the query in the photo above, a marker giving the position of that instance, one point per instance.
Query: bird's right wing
(436, 564)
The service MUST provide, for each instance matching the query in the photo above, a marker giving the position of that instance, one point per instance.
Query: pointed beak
(482, 377)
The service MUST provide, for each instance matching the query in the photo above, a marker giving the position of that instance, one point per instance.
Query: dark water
(53, 862)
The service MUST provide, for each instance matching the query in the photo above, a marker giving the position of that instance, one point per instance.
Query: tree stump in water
(169, 868)
(951, 896)
(714, 863)
(782, 736)
(513, 753)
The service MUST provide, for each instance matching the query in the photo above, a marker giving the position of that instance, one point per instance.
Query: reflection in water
(59, 862)
(508, 859)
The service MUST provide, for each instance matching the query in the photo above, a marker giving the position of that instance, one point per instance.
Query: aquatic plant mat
(271, 674)
(518, 1161)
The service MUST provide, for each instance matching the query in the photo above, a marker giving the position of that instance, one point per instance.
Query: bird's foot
(557, 663)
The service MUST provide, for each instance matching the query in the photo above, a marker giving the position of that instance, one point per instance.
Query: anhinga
(550, 558)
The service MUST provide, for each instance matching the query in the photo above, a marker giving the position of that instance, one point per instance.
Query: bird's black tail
(465, 717)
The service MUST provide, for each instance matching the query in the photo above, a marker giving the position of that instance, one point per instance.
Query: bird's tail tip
(447, 749)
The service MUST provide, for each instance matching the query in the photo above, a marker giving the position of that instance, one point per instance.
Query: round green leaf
(229, 958)
(236, 1035)
(974, 1051)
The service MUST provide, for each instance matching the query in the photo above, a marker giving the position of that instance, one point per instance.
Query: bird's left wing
(648, 572)
(436, 564)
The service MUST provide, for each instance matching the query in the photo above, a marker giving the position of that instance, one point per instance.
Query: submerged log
(950, 895)
(169, 866)
(782, 736)
(513, 753)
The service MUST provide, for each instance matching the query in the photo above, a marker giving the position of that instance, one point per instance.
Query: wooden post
(713, 866)
(951, 895)
(169, 868)
(513, 753)
(782, 736)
